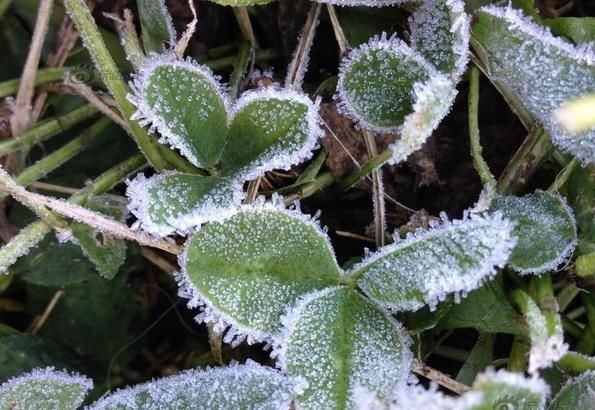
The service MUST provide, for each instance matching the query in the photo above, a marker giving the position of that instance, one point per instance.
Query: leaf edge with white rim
(145, 115)
(210, 314)
(50, 374)
(570, 383)
(432, 297)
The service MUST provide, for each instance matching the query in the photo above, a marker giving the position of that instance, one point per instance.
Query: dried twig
(298, 65)
(437, 376)
(39, 321)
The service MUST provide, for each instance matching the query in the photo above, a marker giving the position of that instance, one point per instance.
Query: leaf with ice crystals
(367, 3)
(433, 100)
(246, 270)
(185, 102)
(248, 386)
(577, 394)
(176, 202)
(104, 251)
(376, 81)
(455, 257)
(543, 70)
(240, 3)
(340, 343)
(545, 332)
(504, 390)
(157, 25)
(440, 32)
(271, 129)
(545, 228)
(44, 389)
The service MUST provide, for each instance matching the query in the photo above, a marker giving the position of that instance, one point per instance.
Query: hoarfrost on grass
(340, 343)
(44, 389)
(246, 270)
(543, 70)
(454, 257)
(247, 386)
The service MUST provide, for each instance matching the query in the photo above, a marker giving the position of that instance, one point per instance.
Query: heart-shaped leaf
(577, 394)
(376, 80)
(440, 32)
(545, 228)
(455, 257)
(186, 103)
(543, 70)
(339, 343)
(44, 389)
(107, 253)
(176, 202)
(248, 386)
(247, 270)
(157, 25)
(271, 129)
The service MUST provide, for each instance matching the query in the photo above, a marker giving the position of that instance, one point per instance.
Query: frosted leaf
(408, 397)
(545, 228)
(157, 25)
(239, 3)
(440, 32)
(341, 343)
(44, 389)
(577, 394)
(185, 102)
(369, 3)
(176, 202)
(249, 386)
(433, 100)
(545, 332)
(504, 390)
(272, 128)
(246, 270)
(455, 257)
(376, 80)
(104, 251)
(543, 70)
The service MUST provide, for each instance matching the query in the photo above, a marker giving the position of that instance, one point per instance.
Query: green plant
(261, 271)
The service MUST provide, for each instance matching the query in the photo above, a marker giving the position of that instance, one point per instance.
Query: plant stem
(322, 181)
(243, 59)
(586, 343)
(374, 163)
(576, 363)
(110, 74)
(297, 67)
(243, 19)
(487, 179)
(47, 129)
(44, 76)
(563, 176)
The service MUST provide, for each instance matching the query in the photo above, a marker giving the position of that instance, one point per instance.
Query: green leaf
(186, 103)
(581, 195)
(440, 32)
(577, 394)
(376, 81)
(157, 25)
(578, 29)
(543, 70)
(545, 229)
(248, 269)
(480, 357)
(107, 253)
(239, 3)
(486, 309)
(455, 257)
(271, 129)
(44, 389)
(175, 202)
(545, 332)
(248, 386)
(341, 343)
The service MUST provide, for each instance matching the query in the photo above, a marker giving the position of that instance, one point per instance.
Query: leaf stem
(44, 76)
(243, 19)
(47, 129)
(482, 168)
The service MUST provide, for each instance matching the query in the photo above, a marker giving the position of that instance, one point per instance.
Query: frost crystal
(340, 343)
(367, 3)
(455, 257)
(44, 389)
(246, 270)
(175, 202)
(440, 31)
(248, 386)
(578, 393)
(545, 71)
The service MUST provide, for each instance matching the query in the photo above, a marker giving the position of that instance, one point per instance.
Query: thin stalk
(44, 76)
(563, 176)
(128, 37)
(110, 74)
(323, 180)
(47, 129)
(245, 55)
(487, 179)
(377, 191)
(373, 164)
(297, 67)
(243, 19)
(586, 343)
